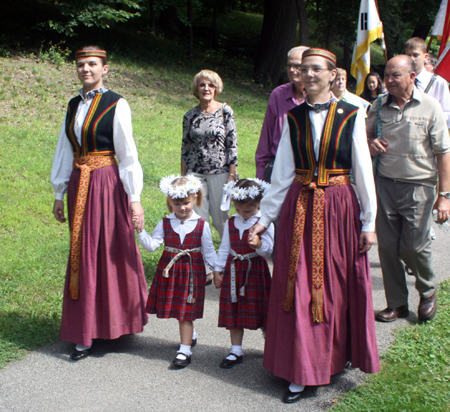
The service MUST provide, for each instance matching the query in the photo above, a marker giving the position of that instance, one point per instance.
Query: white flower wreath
(192, 186)
(230, 191)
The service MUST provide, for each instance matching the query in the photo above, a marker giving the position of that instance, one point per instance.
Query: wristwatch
(445, 194)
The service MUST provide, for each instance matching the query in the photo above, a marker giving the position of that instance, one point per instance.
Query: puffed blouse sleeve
(130, 170)
(62, 164)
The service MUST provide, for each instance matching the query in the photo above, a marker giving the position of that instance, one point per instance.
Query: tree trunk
(190, 28)
(303, 36)
(277, 38)
(152, 16)
(347, 59)
(213, 37)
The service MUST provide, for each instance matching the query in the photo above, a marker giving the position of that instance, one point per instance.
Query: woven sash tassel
(318, 246)
(179, 254)
(86, 164)
(248, 258)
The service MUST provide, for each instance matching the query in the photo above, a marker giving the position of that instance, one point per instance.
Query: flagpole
(382, 34)
(429, 43)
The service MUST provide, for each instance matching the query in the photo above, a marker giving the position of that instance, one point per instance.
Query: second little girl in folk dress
(178, 288)
(245, 282)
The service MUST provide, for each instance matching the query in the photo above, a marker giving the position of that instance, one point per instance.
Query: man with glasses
(320, 309)
(413, 150)
(282, 99)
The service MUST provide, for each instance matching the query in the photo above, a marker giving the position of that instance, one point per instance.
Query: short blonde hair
(341, 72)
(211, 76)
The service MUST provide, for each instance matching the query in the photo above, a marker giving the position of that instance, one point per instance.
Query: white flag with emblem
(370, 28)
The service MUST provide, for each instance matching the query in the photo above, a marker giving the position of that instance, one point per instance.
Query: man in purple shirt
(281, 100)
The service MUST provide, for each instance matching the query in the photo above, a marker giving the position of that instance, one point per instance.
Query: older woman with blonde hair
(209, 146)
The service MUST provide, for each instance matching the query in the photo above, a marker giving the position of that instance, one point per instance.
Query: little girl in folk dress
(246, 279)
(178, 288)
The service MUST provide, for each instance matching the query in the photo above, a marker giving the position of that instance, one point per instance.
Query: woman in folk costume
(105, 290)
(320, 308)
(178, 288)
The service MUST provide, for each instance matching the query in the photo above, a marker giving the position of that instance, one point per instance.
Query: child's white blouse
(266, 239)
(153, 242)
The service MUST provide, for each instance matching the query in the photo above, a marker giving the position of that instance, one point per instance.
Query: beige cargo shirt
(415, 134)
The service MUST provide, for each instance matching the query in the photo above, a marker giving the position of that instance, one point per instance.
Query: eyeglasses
(315, 70)
(210, 85)
(295, 66)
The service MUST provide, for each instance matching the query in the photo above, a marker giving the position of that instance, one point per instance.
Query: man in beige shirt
(413, 155)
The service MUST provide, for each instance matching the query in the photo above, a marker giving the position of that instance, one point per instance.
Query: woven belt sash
(248, 258)
(179, 254)
(317, 242)
(86, 164)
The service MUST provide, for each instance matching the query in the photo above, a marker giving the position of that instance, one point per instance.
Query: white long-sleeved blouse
(130, 170)
(152, 242)
(267, 239)
(284, 170)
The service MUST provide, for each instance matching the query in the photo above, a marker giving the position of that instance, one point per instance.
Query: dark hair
(245, 184)
(366, 94)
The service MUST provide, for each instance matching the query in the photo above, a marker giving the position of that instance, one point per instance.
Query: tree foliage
(89, 13)
(403, 19)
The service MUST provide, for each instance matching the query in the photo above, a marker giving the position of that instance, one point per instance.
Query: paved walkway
(134, 373)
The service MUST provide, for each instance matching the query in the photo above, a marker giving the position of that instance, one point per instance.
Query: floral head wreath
(230, 191)
(192, 186)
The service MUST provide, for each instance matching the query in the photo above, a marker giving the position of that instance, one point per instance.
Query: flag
(442, 25)
(370, 28)
(443, 64)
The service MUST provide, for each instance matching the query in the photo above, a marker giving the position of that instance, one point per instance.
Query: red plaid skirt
(168, 296)
(250, 311)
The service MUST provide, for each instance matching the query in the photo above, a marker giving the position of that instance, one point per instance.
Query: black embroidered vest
(97, 130)
(335, 156)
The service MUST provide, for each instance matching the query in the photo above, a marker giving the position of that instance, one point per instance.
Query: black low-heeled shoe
(194, 342)
(229, 363)
(182, 363)
(79, 354)
(292, 397)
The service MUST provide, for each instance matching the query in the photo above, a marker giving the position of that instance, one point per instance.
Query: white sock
(194, 335)
(237, 350)
(83, 347)
(186, 349)
(296, 388)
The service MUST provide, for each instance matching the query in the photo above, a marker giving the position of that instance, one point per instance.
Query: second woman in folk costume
(105, 290)
(320, 308)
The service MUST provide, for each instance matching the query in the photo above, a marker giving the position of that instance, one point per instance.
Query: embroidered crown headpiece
(90, 53)
(192, 186)
(230, 191)
(321, 53)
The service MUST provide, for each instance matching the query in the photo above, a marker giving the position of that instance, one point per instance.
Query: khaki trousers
(212, 188)
(403, 231)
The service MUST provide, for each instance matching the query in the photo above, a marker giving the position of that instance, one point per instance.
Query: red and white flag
(443, 64)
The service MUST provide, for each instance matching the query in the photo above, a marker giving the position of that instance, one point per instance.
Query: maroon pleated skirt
(113, 289)
(297, 348)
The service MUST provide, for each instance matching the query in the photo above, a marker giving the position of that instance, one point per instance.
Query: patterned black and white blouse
(209, 141)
